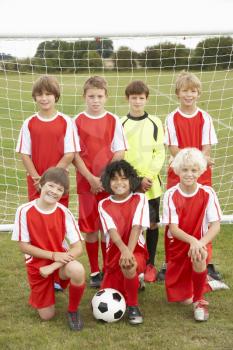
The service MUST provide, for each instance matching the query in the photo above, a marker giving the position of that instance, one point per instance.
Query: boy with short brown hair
(46, 138)
(146, 153)
(102, 141)
(41, 228)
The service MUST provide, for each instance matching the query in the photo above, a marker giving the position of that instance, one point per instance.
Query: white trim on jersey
(208, 133)
(169, 210)
(119, 142)
(212, 214)
(24, 139)
(20, 229)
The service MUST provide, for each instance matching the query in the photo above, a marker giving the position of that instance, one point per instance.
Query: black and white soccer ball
(108, 305)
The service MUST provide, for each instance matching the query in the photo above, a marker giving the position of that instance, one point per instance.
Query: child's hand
(96, 185)
(127, 260)
(146, 184)
(36, 182)
(63, 257)
(197, 251)
(47, 270)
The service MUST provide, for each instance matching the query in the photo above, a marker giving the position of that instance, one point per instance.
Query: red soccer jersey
(192, 213)
(46, 140)
(122, 216)
(99, 138)
(184, 130)
(45, 229)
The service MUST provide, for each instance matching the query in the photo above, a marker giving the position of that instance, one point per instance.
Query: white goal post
(155, 59)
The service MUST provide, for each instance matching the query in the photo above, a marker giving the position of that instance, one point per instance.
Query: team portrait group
(122, 204)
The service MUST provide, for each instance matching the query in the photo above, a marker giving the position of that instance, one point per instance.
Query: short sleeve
(119, 142)
(20, 228)
(169, 210)
(141, 215)
(24, 140)
(170, 138)
(72, 229)
(213, 211)
(208, 133)
(69, 140)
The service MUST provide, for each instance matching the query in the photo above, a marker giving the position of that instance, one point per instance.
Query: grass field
(16, 105)
(165, 327)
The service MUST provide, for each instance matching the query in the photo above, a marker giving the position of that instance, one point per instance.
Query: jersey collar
(144, 116)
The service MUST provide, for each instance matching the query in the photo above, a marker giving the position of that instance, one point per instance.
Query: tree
(213, 53)
(125, 58)
(165, 56)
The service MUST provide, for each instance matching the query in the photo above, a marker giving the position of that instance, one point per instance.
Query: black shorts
(154, 210)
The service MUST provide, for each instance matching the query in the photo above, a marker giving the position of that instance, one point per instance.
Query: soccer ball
(108, 305)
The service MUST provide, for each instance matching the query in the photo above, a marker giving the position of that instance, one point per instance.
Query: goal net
(154, 59)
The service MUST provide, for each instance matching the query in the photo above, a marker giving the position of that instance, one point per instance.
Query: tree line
(98, 54)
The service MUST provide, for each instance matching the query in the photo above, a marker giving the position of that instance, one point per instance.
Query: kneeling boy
(41, 228)
(192, 214)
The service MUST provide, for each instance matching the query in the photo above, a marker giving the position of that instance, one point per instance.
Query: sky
(49, 18)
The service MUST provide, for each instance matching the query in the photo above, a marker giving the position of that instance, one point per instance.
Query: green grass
(16, 105)
(166, 326)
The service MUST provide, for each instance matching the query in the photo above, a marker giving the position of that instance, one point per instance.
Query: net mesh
(155, 60)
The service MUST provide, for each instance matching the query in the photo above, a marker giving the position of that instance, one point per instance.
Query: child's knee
(199, 266)
(75, 271)
(47, 313)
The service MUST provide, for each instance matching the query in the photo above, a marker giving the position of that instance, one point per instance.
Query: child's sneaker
(150, 273)
(212, 272)
(134, 315)
(200, 310)
(57, 287)
(161, 274)
(95, 281)
(74, 320)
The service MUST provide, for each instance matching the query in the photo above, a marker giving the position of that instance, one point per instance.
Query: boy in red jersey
(189, 126)
(41, 228)
(102, 141)
(46, 138)
(193, 215)
(124, 215)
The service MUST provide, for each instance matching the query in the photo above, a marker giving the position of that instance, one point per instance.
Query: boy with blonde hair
(101, 141)
(189, 126)
(146, 153)
(41, 228)
(46, 138)
(193, 215)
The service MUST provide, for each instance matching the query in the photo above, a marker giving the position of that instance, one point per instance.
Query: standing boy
(193, 216)
(189, 126)
(41, 228)
(146, 153)
(46, 138)
(124, 215)
(102, 141)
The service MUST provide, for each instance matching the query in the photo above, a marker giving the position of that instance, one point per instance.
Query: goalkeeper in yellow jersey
(146, 153)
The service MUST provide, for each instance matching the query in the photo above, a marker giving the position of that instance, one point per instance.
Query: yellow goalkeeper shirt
(146, 151)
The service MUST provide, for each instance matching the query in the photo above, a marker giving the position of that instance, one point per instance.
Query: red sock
(103, 249)
(131, 287)
(199, 280)
(75, 295)
(92, 252)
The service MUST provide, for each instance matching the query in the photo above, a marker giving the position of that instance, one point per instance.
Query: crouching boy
(192, 214)
(41, 229)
